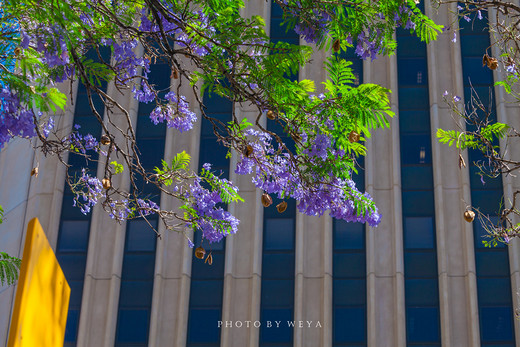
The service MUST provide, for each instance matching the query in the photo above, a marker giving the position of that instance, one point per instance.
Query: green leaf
(9, 269)
(117, 167)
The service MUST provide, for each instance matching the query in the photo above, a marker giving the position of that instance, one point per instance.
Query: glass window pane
(73, 235)
(420, 264)
(135, 294)
(140, 237)
(416, 149)
(418, 203)
(494, 291)
(206, 293)
(349, 324)
(132, 326)
(412, 72)
(348, 235)
(349, 265)
(73, 266)
(276, 293)
(349, 292)
(496, 323)
(138, 266)
(203, 325)
(422, 324)
(421, 292)
(408, 121)
(278, 266)
(279, 234)
(419, 233)
(492, 263)
(416, 177)
(413, 98)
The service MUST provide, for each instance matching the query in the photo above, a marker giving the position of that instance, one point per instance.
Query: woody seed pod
(266, 200)
(248, 151)
(106, 183)
(200, 252)
(17, 51)
(175, 73)
(353, 136)
(209, 259)
(34, 172)
(492, 63)
(336, 46)
(469, 216)
(281, 207)
(105, 140)
(271, 115)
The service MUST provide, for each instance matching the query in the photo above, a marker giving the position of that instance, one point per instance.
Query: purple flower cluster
(89, 189)
(276, 174)
(312, 31)
(82, 143)
(119, 210)
(213, 221)
(147, 207)
(16, 119)
(177, 114)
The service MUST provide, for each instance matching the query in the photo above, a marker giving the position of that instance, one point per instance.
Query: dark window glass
(350, 323)
(422, 324)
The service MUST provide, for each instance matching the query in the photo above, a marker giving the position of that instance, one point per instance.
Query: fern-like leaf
(9, 269)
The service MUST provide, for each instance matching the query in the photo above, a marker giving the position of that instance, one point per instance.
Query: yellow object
(42, 296)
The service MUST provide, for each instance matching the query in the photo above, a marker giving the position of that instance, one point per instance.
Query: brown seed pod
(106, 183)
(105, 139)
(469, 216)
(336, 46)
(17, 51)
(271, 115)
(175, 73)
(492, 63)
(353, 136)
(281, 207)
(200, 252)
(209, 259)
(266, 200)
(485, 59)
(248, 151)
(34, 172)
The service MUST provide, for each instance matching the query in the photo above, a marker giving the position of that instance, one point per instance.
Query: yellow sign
(42, 296)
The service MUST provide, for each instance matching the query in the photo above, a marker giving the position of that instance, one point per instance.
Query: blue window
(135, 296)
(207, 282)
(74, 230)
(420, 256)
(349, 279)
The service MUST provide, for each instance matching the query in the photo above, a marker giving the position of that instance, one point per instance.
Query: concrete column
(99, 306)
(385, 267)
(171, 290)
(242, 273)
(313, 252)
(508, 110)
(455, 247)
(24, 197)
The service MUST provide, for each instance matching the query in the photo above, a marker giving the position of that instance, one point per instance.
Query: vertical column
(385, 283)
(313, 263)
(98, 316)
(24, 199)
(507, 112)
(242, 283)
(457, 282)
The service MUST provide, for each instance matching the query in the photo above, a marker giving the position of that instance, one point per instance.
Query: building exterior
(421, 278)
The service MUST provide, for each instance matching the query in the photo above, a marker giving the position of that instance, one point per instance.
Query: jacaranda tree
(214, 49)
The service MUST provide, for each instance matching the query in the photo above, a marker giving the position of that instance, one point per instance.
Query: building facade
(421, 278)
